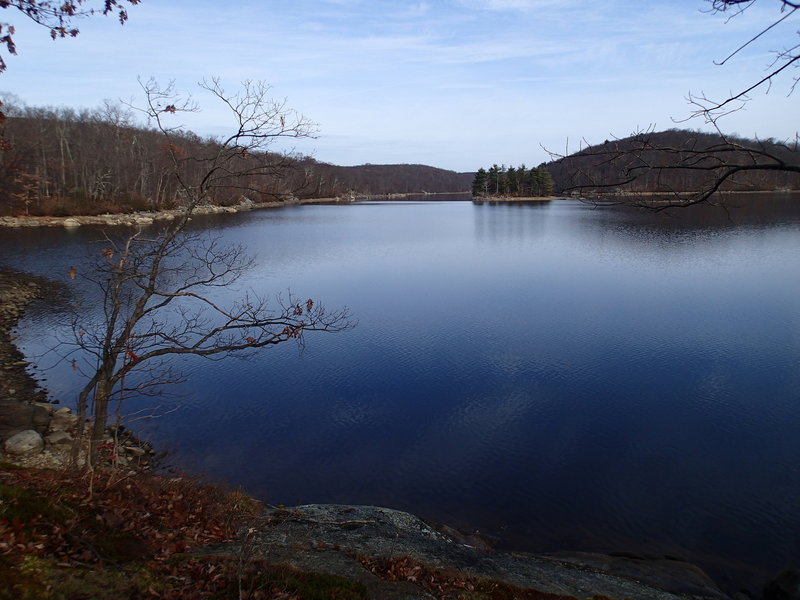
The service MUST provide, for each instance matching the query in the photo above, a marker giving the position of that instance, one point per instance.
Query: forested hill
(675, 161)
(62, 161)
(385, 179)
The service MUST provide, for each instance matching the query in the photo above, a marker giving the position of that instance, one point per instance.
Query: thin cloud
(459, 79)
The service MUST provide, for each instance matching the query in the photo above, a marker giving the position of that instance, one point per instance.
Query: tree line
(62, 161)
(512, 181)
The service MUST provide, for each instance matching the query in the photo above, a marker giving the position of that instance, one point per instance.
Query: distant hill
(331, 180)
(674, 161)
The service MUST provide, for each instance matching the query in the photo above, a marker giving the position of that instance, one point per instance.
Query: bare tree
(163, 290)
(692, 168)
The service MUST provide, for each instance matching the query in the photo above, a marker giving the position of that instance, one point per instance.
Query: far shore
(150, 217)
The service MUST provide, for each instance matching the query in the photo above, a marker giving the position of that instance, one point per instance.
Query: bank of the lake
(150, 217)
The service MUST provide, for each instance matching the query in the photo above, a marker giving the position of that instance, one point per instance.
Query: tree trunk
(102, 393)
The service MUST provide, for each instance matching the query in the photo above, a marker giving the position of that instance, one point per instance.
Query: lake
(552, 375)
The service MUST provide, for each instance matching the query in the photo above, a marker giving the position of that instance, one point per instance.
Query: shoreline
(140, 218)
(25, 405)
(150, 217)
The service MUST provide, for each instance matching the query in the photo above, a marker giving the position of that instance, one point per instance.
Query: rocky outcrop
(340, 540)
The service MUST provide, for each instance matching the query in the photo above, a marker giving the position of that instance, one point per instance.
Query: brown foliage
(104, 521)
(57, 16)
(450, 585)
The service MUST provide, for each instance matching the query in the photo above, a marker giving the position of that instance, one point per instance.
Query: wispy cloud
(401, 80)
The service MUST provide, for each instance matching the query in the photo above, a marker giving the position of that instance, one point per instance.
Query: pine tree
(480, 185)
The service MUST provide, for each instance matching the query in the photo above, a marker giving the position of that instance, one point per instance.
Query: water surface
(558, 376)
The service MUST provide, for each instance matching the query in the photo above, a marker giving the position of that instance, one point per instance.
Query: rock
(71, 222)
(671, 574)
(785, 586)
(325, 538)
(16, 416)
(63, 420)
(24, 442)
(59, 437)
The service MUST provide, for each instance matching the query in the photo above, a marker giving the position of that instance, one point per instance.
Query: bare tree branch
(684, 168)
(161, 290)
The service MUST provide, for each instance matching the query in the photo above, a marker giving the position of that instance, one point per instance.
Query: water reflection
(510, 222)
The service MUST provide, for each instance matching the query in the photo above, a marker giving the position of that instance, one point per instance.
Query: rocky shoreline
(150, 217)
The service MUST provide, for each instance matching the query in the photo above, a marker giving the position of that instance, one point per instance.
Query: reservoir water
(554, 376)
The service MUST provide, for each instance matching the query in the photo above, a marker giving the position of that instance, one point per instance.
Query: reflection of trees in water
(512, 221)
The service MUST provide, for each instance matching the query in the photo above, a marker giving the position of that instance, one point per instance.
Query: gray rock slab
(324, 538)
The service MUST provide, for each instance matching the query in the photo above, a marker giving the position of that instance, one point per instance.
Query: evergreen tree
(480, 185)
(514, 181)
(512, 185)
(542, 181)
(494, 177)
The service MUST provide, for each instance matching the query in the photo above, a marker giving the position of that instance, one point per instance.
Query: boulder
(16, 416)
(59, 437)
(71, 222)
(63, 420)
(24, 442)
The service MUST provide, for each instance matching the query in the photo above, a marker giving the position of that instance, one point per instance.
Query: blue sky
(457, 84)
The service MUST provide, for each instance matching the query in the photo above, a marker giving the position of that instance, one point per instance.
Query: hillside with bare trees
(60, 161)
(677, 162)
